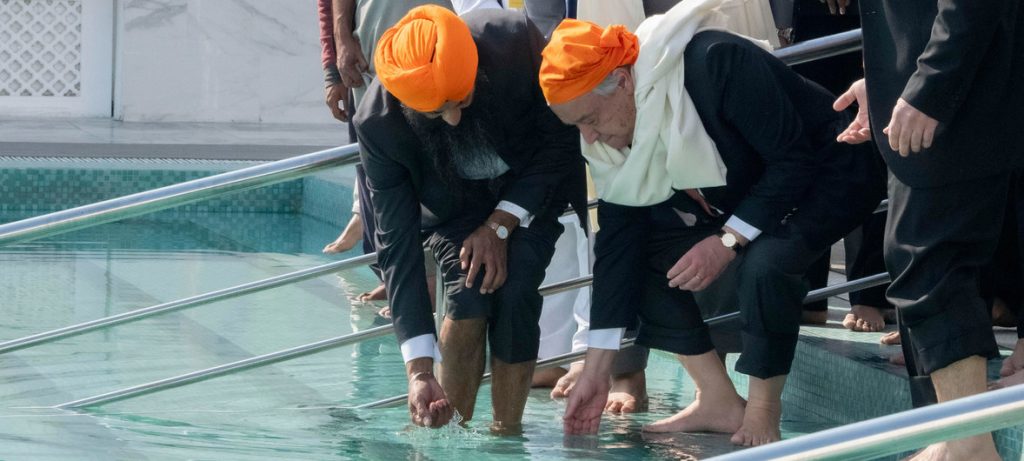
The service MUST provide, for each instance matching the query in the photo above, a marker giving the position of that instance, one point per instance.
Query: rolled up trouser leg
(771, 292)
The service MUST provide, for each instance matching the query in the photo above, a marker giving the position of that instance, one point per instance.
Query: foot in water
(628, 393)
(348, 239)
(761, 421)
(723, 414)
(377, 294)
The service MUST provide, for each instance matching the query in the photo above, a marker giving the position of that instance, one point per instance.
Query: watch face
(728, 240)
(502, 232)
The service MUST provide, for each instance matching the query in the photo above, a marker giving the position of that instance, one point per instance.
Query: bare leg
(348, 238)
(960, 379)
(628, 393)
(763, 413)
(547, 377)
(509, 390)
(864, 318)
(462, 347)
(717, 408)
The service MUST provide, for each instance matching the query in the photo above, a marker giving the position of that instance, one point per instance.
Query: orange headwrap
(427, 58)
(580, 55)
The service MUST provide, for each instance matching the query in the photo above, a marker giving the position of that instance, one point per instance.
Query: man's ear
(625, 78)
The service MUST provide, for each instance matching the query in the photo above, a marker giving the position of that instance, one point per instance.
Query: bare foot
(628, 393)
(890, 338)
(547, 377)
(377, 294)
(864, 318)
(814, 317)
(761, 422)
(566, 382)
(1015, 362)
(977, 448)
(348, 239)
(725, 416)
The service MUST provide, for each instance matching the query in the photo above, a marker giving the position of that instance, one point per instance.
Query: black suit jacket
(546, 168)
(958, 61)
(775, 132)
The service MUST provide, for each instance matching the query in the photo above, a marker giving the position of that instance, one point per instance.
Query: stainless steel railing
(900, 432)
(821, 48)
(175, 194)
(327, 344)
(184, 303)
(269, 359)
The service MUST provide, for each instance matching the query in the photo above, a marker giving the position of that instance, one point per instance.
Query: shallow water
(299, 409)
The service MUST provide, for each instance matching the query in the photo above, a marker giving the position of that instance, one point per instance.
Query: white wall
(219, 60)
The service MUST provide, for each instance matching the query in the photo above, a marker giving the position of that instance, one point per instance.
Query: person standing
(941, 97)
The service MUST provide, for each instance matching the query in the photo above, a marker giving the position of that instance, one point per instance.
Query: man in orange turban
(718, 172)
(462, 153)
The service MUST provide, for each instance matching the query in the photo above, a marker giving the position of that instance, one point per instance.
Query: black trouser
(513, 311)
(770, 289)
(937, 241)
(771, 286)
(366, 211)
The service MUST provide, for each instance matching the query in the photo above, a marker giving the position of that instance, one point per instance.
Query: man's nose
(452, 116)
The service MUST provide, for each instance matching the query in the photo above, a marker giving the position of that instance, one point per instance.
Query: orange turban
(580, 55)
(427, 58)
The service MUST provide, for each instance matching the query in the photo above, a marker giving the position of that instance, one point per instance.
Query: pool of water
(299, 409)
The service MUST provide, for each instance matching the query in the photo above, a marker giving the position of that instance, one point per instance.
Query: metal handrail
(184, 303)
(270, 358)
(821, 48)
(176, 194)
(899, 432)
(299, 351)
(812, 296)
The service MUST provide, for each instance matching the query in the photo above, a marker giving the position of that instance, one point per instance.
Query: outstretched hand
(860, 128)
(586, 404)
(701, 265)
(428, 404)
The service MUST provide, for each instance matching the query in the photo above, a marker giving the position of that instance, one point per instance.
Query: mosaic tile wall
(44, 190)
(327, 199)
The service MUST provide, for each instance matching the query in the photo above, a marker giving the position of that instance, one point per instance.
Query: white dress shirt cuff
(744, 229)
(606, 338)
(421, 346)
(525, 218)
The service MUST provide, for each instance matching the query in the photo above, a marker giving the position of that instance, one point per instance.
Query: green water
(300, 409)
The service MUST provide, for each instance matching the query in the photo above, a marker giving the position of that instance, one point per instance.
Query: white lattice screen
(41, 48)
